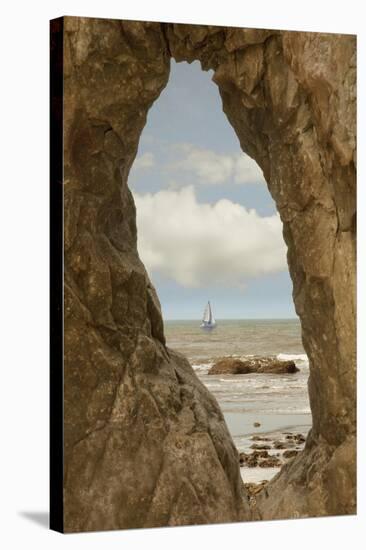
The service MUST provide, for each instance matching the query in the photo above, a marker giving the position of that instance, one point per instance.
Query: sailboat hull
(206, 326)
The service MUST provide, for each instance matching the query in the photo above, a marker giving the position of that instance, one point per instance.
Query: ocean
(278, 402)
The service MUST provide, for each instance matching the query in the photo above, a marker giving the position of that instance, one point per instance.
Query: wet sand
(241, 425)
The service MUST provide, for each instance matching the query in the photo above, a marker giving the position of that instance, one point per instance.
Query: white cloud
(201, 244)
(208, 166)
(144, 161)
(246, 170)
(214, 168)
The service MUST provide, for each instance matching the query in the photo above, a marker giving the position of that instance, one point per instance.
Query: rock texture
(291, 98)
(145, 443)
(258, 365)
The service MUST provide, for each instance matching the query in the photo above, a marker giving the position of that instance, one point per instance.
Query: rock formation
(260, 365)
(145, 442)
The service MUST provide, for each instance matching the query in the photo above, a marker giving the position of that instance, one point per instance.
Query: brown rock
(256, 365)
(229, 366)
(251, 460)
(242, 458)
(139, 427)
(276, 367)
(297, 438)
(261, 453)
(255, 488)
(271, 462)
(279, 445)
(256, 446)
(144, 439)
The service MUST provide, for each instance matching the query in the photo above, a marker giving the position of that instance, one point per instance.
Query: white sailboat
(208, 321)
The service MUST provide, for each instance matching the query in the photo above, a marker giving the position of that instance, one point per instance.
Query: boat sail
(208, 321)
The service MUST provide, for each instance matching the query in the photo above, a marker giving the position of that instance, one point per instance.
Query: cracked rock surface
(145, 442)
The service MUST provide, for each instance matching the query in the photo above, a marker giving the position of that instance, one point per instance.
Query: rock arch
(145, 443)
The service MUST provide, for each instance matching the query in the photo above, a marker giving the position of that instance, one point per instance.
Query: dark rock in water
(279, 445)
(274, 366)
(298, 438)
(229, 366)
(259, 458)
(261, 454)
(270, 462)
(259, 438)
(260, 365)
(290, 453)
(256, 424)
(256, 446)
(251, 460)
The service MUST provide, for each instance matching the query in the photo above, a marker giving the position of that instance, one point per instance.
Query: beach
(265, 410)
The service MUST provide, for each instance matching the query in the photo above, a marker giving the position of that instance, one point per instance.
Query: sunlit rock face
(145, 442)
(291, 99)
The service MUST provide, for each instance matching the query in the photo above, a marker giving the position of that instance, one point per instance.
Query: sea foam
(202, 367)
(293, 357)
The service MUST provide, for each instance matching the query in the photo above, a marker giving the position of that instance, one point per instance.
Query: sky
(207, 226)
